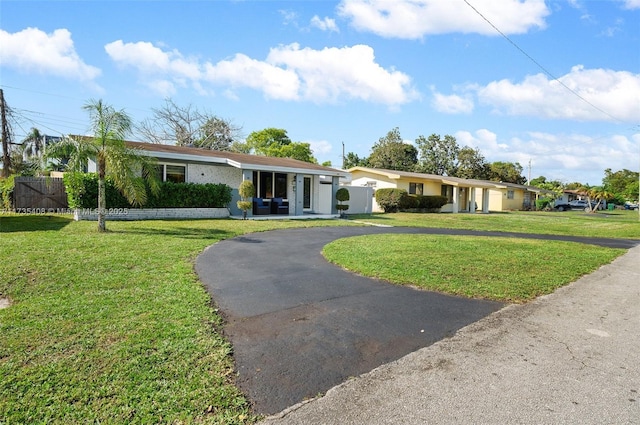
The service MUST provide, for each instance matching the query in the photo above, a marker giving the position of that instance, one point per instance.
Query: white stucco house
(304, 188)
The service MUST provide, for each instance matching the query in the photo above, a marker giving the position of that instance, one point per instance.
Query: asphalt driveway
(299, 325)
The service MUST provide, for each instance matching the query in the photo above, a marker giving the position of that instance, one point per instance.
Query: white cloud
(33, 50)
(326, 24)
(564, 157)
(150, 61)
(320, 147)
(631, 4)
(242, 71)
(452, 104)
(594, 91)
(413, 19)
(350, 72)
(288, 73)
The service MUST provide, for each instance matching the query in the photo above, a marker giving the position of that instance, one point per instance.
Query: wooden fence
(39, 193)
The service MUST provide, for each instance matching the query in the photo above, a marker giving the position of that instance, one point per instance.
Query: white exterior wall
(361, 200)
(379, 184)
(324, 195)
(204, 173)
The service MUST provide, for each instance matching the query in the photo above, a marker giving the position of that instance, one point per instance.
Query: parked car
(578, 204)
(630, 206)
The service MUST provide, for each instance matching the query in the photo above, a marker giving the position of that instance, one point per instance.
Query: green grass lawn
(609, 224)
(116, 328)
(501, 269)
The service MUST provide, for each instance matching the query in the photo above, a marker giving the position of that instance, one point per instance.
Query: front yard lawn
(114, 328)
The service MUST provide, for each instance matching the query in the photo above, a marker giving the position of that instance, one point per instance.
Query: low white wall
(361, 200)
(151, 213)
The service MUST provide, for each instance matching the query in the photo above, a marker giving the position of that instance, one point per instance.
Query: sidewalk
(572, 357)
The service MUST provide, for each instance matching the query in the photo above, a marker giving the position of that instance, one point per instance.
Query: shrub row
(394, 200)
(82, 192)
(6, 192)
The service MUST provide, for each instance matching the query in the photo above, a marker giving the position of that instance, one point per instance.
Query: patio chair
(278, 206)
(259, 207)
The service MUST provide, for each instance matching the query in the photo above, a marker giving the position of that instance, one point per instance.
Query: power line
(545, 70)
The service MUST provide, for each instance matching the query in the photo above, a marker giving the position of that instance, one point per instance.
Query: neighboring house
(306, 188)
(515, 197)
(463, 194)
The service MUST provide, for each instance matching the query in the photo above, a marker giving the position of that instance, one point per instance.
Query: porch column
(299, 201)
(456, 203)
(472, 202)
(246, 175)
(485, 201)
(335, 185)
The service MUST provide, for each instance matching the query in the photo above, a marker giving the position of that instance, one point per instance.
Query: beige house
(515, 197)
(464, 195)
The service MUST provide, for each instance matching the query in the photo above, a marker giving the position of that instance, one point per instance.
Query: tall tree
(471, 164)
(622, 183)
(33, 142)
(438, 156)
(390, 152)
(217, 134)
(107, 147)
(275, 142)
(188, 126)
(353, 160)
(261, 142)
(508, 172)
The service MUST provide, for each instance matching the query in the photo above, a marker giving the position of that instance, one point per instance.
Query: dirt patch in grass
(4, 302)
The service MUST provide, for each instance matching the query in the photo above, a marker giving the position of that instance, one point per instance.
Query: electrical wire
(539, 65)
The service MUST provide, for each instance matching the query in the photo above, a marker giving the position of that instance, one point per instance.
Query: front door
(307, 195)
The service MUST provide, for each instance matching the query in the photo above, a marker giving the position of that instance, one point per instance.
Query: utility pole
(343, 155)
(529, 179)
(6, 135)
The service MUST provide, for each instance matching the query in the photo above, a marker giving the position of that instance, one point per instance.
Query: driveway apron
(299, 325)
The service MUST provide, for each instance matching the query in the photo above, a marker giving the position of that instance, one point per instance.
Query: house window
(415, 188)
(172, 173)
(280, 183)
(509, 194)
(447, 192)
(270, 185)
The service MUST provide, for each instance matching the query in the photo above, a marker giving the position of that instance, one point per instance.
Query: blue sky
(552, 83)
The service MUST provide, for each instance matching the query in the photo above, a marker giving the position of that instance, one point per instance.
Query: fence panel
(39, 193)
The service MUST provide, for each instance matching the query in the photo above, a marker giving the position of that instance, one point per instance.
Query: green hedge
(390, 200)
(430, 203)
(82, 192)
(6, 192)
(394, 200)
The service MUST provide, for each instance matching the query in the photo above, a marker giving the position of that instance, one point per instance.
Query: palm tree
(598, 195)
(33, 143)
(107, 147)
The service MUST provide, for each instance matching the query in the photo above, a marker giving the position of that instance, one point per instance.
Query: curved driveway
(300, 325)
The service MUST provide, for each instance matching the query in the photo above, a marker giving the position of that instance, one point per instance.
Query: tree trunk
(102, 198)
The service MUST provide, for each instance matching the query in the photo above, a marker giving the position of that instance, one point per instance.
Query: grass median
(502, 269)
(603, 224)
